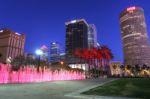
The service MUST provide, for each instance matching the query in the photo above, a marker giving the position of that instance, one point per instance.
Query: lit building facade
(54, 52)
(76, 37)
(79, 34)
(62, 57)
(134, 37)
(11, 44)
(44, 55)
(92, 36)
(115, 69)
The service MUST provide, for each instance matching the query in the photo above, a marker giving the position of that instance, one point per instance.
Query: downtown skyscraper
(79, 34)
(54, 52)
(44, 56)
(136, 46)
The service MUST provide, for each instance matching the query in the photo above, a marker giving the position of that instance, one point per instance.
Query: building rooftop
(75, 21)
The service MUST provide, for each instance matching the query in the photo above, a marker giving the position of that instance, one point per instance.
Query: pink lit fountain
(30, 74)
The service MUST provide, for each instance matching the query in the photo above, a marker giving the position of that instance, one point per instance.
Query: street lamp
(39, 53)
(61, 62)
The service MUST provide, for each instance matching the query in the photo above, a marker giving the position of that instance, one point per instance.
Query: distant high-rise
(134, 36)
(11, 44)
(76, 37)
(44, 56)
(54, 52)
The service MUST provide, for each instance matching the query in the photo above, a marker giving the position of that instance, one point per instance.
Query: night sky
(43, 21)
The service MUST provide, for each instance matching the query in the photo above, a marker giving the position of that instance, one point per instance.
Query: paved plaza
(46, 90)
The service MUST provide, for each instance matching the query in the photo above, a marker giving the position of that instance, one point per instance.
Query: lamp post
(39, 53)
(62, 63)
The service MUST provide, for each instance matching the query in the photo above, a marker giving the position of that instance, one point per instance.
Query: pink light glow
(131, 9)
(30, 74)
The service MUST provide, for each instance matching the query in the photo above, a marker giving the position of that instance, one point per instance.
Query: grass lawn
(124, 87)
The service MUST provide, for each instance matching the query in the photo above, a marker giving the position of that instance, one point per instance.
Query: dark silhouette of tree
(22, 61)
(129, 67)
(137, 69)
(114, 67)
(107, 56)
(144, 66)
(0, 55)
(122, 67)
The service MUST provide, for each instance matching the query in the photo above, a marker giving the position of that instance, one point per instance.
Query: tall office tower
(92, 36)
(44, 56)
(76, 37)
(11, 44)
(54, 52)
(134, 37)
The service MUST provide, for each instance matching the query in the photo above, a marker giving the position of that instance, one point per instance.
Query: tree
(99, 59)
(122, 67)
(94, 55)
(129, 67)
(86, 55)
(137, 70)
(18, 62)
(114, 67)
(21, 61)
(144, 66)
(0, 55)
(107, 56)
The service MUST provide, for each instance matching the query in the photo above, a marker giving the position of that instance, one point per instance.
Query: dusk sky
(43, 21)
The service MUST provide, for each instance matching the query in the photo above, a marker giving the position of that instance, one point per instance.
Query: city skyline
(33, 20)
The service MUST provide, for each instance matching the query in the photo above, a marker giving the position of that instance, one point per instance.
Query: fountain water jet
(30, 74)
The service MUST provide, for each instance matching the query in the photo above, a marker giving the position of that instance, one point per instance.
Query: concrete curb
(78, 94)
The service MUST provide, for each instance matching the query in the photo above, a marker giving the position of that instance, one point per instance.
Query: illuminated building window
(143, 46)
(133, 34)
(126, 26)
(143, 24)
(124, 18)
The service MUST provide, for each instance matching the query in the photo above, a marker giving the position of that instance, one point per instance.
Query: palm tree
(86, 56)
(129, 69)
(0, 55)
(107, 56)
(95, 57)
(99, 58)
(145, 68)
(137, 70)
(94, 60)
(122, 67)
